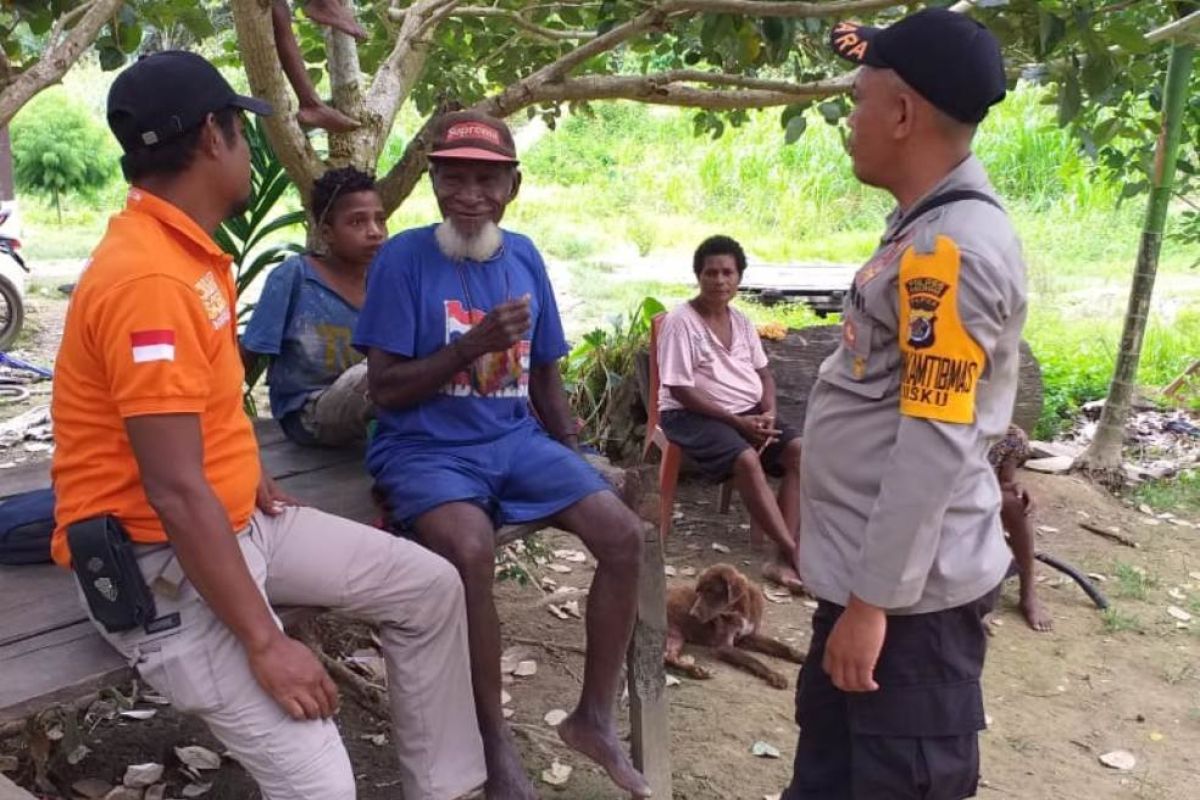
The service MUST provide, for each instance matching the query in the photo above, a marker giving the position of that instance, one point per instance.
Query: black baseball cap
(953, 61)
(164, 94)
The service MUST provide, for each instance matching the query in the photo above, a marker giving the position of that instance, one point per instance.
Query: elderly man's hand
(504, 326)
(757, 429)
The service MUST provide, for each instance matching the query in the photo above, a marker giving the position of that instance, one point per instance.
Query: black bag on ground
(26, 524)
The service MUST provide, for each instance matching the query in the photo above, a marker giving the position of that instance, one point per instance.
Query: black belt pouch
(103, 559)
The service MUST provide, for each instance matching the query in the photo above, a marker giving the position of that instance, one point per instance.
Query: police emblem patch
(924, 296)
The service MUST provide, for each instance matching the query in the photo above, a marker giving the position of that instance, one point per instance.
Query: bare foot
(1035, 614)
(506, 775)
(333, 14)
(600, 744)
(327, 118)
(784, 575)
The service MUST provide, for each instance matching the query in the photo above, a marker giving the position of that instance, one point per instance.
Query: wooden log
(650, 730)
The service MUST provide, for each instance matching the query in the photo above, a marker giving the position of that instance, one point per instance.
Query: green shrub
(60, 150)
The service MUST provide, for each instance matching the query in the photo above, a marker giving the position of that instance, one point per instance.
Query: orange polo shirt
(151, 329)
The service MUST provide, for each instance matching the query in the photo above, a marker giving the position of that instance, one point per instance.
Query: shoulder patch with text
(940, 363)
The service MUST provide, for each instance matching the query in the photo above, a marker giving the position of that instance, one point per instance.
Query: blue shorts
(521, 477)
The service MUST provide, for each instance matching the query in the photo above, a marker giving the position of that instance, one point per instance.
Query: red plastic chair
(672, 455)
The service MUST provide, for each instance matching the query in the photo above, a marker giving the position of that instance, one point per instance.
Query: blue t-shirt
(305, 327)
(419, 301)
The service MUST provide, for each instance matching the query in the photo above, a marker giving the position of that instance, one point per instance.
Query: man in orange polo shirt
(150, 431)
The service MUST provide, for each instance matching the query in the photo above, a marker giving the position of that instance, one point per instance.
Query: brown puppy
(723, 611)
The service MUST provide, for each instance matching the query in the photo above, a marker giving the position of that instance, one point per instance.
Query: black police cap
(953, 61)
(164, 94)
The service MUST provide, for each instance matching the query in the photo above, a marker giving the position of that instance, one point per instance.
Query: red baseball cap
(473, 136)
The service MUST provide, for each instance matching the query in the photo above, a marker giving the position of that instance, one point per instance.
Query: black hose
(1099, 599)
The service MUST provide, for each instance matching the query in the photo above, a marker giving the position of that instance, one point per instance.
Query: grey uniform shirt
(899, 508)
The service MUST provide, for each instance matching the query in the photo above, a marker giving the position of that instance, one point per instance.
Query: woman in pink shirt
(717, 402)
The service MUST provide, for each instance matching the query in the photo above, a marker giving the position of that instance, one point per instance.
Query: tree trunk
(58, 206)
(256, 44)
(345, 79)
(1102, 459)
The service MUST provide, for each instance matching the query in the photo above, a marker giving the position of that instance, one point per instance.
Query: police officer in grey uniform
(902, 543)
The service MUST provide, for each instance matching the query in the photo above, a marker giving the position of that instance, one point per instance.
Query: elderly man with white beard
(463, 337)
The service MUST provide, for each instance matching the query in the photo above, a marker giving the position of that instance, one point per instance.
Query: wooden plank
(650, 730)
(35, 599)
(58, 666)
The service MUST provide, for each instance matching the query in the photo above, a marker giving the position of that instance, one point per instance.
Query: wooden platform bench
(51, 654)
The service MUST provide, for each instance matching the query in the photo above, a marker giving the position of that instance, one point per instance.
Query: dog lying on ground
(723, 610)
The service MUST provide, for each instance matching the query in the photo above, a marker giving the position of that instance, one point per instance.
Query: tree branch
(404, 175)
(396, 75)
(518, 19)
(62, 51)
(669, 88)
(256, 43)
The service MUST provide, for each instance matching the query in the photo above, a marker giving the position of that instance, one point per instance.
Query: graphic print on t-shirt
(504, 375)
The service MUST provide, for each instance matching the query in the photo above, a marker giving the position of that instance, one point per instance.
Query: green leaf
(1127, 37)
(795, 129)
(129, 37)
(831, 111)
(111, 58)
(1051, 30)
(1098, 73)
(1069, 99)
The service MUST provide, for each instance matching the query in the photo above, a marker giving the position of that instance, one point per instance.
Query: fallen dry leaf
(669, 571)
(526, 669)
(572, 609)
(139, 713)
(1155, 736)
(156, 792)
(574, 556)
(1096, 576)
(124, 793)
(91, 788)
(557, 775)
(80, 752)
(1175, 593)
(720, 548)
(556, 611)
(196, 789)
(764, 750)
(1179, 614)
(688, 572)
(139, 776)
(554, 717)
(513, 656)
(156, 699)
(505, 698)
(1122, 760)
(562, 569)
(507, 712)
(198, 757)
(1194, 576)
(672, 681)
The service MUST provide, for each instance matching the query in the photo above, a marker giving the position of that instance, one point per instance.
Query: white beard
(457, 247)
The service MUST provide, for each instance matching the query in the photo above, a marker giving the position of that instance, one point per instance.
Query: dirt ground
(1125, 680)
(1057, 701)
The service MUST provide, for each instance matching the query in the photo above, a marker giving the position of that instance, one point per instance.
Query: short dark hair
(719, 246)
(174, 156)
(334, 185)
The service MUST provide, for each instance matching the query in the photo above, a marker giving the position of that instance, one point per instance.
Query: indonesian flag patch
(152, 346)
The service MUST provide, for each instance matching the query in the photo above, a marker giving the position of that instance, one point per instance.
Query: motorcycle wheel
(12, 313)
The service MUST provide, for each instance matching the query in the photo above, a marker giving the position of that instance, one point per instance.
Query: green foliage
(1132, 581)
(600, 373)
(1180, 495)
(243, 236)
(59, 150)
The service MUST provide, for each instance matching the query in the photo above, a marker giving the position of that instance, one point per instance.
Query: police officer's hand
(853, 647)
(293, 676)
(504, 326)
(757, 429)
